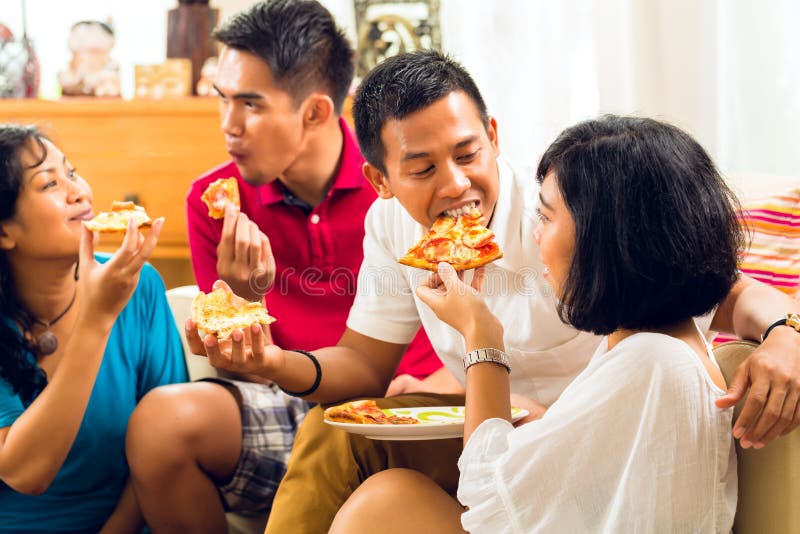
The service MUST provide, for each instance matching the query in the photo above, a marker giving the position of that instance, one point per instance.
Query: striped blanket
(773, 254)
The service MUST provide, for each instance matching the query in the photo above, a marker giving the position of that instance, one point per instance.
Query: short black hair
(299, 41)
(656, 229)
(400, 86)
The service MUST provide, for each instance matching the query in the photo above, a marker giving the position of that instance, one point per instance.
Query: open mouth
(463, 210)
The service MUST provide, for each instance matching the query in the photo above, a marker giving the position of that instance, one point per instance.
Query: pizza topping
(438, 248)
(443, 224)
(461, 241)
(116, 220)
(365, 412)
(221, 312)
(477, 237)
(219, 194)
(464, 255)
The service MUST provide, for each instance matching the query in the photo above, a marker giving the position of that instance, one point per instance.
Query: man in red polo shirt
(197, 450)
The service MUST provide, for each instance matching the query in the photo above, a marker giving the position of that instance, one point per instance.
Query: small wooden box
(171, 79)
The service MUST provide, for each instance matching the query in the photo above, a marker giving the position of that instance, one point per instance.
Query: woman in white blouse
(639, 235)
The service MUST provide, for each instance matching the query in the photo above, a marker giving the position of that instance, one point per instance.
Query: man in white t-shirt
(431, 147)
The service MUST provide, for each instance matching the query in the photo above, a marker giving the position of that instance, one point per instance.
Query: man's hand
(772, 373)
(244, 256)
(440, 381)
(244, 351)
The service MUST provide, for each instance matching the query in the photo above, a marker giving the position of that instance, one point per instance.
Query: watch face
(793, 320)
(386, 29)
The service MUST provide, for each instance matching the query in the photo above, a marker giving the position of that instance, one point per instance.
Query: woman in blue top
(82, 342)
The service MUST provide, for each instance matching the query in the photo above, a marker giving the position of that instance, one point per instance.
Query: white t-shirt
(545, 354)
(634, 444)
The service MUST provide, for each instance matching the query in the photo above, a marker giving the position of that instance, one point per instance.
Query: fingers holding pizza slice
(221, 312)
(219, 194)
(116, 220)
(462, 241)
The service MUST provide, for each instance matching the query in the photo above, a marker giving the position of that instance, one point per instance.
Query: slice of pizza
(116, 220)
(219, 194)
(365, 412)
(221, 312)
(460, 240)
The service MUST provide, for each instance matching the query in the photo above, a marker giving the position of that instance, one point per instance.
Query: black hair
(299, 41)
(400, 86)
(24, 376)
(656, 229)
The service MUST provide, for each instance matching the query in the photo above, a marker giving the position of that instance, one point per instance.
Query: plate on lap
(435, 422)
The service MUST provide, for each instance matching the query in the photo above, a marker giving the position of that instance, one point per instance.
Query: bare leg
(398, 501)
(183, 440)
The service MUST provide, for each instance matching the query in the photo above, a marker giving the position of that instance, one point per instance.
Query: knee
(163, 425)
(376, 497)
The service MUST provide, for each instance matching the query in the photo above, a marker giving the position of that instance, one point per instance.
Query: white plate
(436, 422)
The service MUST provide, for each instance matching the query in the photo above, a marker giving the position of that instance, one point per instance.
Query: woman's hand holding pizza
(461, 306)
(107, 287)
(244, 256)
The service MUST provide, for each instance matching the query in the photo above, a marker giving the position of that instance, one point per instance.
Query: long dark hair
(656, 233)
(15, 367)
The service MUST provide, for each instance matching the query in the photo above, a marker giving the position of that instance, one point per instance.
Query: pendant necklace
(47, 343)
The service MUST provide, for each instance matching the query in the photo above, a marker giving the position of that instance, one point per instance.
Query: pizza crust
(461, 241)
(216, 313)
(116, 220)
(219, 194)
(422, 263)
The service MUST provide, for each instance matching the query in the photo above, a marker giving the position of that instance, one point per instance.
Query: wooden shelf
(150, 150)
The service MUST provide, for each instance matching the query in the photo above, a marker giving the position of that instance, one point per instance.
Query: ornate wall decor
(19, 66)
(387, 28)
(189, 28)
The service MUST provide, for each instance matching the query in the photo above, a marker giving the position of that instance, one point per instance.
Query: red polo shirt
(318, 253)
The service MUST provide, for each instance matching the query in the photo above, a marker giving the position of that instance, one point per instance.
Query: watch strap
(487, 355)
(792, 320)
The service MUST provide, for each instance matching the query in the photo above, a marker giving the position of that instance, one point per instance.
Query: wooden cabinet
(145, 150)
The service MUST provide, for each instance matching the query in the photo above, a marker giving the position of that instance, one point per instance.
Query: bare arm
(771, 374)
(488, 386)
(34, 447)
(460, 306)
(357, 366)
(751, 307)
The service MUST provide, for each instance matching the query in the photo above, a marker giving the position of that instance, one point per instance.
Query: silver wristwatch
(487, 355)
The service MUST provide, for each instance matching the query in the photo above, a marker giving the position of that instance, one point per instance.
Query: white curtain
(727, 71)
